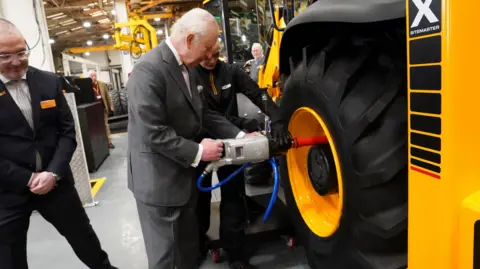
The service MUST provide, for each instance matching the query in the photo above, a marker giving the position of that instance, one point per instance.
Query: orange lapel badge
(48, 104)
(3, 93)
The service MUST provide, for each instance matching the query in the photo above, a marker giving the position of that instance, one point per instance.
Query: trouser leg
(203, 209)
(14, 222)
(63, 208)
(232, 214)
(170, 235)
(107, 128)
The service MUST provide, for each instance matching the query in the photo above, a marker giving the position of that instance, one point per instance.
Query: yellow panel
(469, 215)
(448, 171)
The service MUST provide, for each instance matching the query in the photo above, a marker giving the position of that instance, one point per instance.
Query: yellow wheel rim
(321, 213)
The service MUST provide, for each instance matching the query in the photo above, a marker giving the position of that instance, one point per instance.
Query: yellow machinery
(392, 85)
(268, 74)
(142, 37)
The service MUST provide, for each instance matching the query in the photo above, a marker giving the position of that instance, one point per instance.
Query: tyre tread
(372, 233)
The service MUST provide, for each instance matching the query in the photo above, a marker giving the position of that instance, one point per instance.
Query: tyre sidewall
(304, 94)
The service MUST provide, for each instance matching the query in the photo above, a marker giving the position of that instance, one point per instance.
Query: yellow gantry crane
(142, 36)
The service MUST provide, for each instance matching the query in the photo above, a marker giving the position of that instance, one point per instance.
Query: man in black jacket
(220, 82)
(37, 138)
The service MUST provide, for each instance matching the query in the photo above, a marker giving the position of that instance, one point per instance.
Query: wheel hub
(321, 169)
(315, 175)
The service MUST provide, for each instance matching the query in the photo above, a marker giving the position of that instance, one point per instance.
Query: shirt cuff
(30, 180)
(240, 135)
(198, 158)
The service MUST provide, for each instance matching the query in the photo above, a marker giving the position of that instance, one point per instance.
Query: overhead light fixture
(106, 36)
(89, 42)
(244, 38)
(156, 19)
(87, 53)
(219, 39)
(114, 12)
(51, 41)
(159, 32)
(87, 24)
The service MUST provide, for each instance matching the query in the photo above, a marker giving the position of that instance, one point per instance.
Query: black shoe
(240, 265)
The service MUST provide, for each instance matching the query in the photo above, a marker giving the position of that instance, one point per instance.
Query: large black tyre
(124, 100)
(357, 85)
(117, 105)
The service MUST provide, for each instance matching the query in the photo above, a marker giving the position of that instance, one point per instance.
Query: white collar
(175, 52)
(6, 80)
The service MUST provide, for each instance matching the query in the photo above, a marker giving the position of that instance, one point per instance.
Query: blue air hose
(276, 183)
(220, 183)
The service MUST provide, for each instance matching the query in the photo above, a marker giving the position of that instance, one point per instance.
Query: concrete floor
(116, 222)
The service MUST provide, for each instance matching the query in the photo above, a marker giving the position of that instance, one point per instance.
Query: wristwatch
(55, 176)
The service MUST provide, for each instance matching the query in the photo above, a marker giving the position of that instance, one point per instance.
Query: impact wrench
(254, 149)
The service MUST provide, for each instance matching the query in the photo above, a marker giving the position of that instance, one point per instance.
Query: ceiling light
(87, 53)
(106, 36)
(244, 38)
(51, 41)
(156, 19)
(219, 39)
(159, 32)
(114, 12)
(89, 42)
(87, 24)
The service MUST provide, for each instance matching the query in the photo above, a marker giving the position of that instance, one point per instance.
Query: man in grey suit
(257, 61)
(165, 116)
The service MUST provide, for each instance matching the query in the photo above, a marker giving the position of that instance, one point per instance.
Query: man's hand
(112, 109)
(281, 134)
(42, 183)
(254, 134)
(212, 150)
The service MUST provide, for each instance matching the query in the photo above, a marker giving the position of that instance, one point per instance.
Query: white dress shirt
(21, 95)
(198, 158)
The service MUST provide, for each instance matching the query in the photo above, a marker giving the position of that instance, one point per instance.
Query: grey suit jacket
(254, 68)
(163, 122)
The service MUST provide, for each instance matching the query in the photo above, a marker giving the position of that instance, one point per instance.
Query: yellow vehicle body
(443, 116)
(444, 201)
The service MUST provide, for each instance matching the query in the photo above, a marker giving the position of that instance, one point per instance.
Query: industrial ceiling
(83, 23)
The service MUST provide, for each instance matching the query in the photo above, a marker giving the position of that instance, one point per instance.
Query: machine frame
(444, 196)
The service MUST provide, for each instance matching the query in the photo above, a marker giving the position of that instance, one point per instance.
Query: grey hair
(257, 45)
(195, 21)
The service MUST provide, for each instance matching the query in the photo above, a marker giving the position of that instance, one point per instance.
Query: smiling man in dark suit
(166, 115)
(37, 138)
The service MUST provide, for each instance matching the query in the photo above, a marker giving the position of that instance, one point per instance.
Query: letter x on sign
(423, 10)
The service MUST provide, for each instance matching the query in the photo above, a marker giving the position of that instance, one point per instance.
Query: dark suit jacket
(163, 121)
(53, 136)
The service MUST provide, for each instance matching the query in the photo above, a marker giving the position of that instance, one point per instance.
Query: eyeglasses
(21, 55)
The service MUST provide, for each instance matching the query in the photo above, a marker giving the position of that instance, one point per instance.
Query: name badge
(224, 87)
(48, 104)
(199, 88)
(3, 93)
